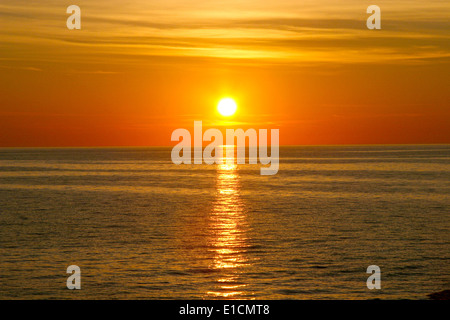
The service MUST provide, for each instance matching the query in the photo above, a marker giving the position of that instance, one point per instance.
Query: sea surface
(140, 227)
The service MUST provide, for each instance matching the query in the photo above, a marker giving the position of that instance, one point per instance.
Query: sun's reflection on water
(229, 239)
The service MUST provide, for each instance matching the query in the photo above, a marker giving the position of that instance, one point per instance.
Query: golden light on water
(229, 228)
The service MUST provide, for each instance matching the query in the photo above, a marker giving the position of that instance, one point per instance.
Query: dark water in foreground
(140, 227)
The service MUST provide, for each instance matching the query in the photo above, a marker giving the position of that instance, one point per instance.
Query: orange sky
(137, 70)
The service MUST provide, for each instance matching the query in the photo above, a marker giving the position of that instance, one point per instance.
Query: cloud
(289, 31)
(22, 68)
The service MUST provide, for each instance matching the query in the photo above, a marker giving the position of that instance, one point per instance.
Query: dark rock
(441, 295)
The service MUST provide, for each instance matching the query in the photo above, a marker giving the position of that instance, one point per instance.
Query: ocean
(140, 227)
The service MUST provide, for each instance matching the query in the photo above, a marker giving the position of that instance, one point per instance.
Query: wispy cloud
(285, 31)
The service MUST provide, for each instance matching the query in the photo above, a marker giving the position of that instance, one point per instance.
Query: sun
(227, 107)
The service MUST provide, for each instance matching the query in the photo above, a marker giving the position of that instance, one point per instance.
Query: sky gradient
(139, 69)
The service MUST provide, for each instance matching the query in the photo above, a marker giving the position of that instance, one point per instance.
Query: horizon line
(171, 146)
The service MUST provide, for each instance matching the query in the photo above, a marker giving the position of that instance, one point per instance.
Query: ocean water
(140, 227)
